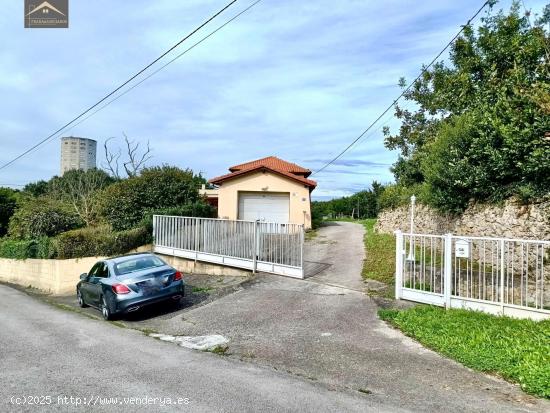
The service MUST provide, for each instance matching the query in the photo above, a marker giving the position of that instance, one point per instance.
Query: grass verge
(517, 350)
(379, 263)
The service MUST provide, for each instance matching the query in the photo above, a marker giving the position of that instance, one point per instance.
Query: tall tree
(133, 162)
(478, 128)
(80, 189)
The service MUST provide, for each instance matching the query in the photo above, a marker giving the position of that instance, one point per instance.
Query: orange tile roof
(274, 163)
(243, 169)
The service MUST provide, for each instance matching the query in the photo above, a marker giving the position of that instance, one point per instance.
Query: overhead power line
(119, 87)
(424, 70)
(160, 68)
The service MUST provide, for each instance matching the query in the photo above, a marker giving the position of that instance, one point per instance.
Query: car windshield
(138, 264)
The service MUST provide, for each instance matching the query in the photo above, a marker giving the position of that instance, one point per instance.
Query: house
(269, 189)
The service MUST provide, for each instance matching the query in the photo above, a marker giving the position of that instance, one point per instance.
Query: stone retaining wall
(509, 220)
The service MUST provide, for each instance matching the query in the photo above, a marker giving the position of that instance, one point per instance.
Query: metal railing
(498, 275)
(254, 245)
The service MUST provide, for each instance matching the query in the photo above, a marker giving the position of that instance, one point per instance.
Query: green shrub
(316, 219)
(17, 249)
(39, 217)
(43, 247)
(126, 203)
(197, 209)
(100, 241)
(396, 195)
(8, 203)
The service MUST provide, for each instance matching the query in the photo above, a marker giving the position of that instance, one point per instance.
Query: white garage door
(268, 207)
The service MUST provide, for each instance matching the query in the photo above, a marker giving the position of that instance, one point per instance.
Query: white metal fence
(496, 275)
(254, 245)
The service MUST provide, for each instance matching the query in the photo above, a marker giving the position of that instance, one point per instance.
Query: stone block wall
(509, 220)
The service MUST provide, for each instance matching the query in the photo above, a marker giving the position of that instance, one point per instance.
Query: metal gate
(253, 245)
(496, 275)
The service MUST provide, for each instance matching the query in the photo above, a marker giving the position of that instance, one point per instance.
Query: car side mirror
(83, 276)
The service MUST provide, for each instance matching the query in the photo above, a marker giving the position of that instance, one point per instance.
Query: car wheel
(81, 302)
(105, 311)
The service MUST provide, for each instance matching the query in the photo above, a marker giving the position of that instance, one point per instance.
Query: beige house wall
(300, 202)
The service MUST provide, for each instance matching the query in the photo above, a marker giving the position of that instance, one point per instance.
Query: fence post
(155, 217)
(398, 263)
(255, 248)
(448, 269)
(502, 276)
(302, 236)
(196, 240)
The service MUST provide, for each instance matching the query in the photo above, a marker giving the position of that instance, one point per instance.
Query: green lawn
(379, 263)
(517, 350)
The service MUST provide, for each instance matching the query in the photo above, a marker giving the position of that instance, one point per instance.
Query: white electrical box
(462, 248)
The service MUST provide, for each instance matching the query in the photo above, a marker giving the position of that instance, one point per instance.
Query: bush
(126, 203)
(397, 195)
(100, 241)
(8, 204)
(22, 249)
(39, 217)
(316, 218)
(197, 209)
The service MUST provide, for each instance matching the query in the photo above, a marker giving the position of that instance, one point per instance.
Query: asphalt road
(47, 354)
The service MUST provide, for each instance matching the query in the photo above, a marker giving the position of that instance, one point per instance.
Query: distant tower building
(77, 153)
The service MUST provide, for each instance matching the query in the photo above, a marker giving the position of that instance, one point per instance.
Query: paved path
(45, 352)
(335, 256)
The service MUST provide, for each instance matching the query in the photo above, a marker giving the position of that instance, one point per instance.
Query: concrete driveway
(332, 335)
(335, 256)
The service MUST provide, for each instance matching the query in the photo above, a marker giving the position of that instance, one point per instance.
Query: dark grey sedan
(124, 284)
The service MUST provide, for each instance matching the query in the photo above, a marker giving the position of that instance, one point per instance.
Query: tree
(42, 216)
(478, 130)
(8, 204)
(80, 189)
(37, 188)
(134, 163)
(127, 202)
(363, 204)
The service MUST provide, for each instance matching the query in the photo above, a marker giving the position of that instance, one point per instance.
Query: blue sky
(294, 79)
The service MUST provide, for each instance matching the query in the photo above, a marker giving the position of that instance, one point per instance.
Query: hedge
(100, 241)
(21, 249)
(85, 242)
(42, 217)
